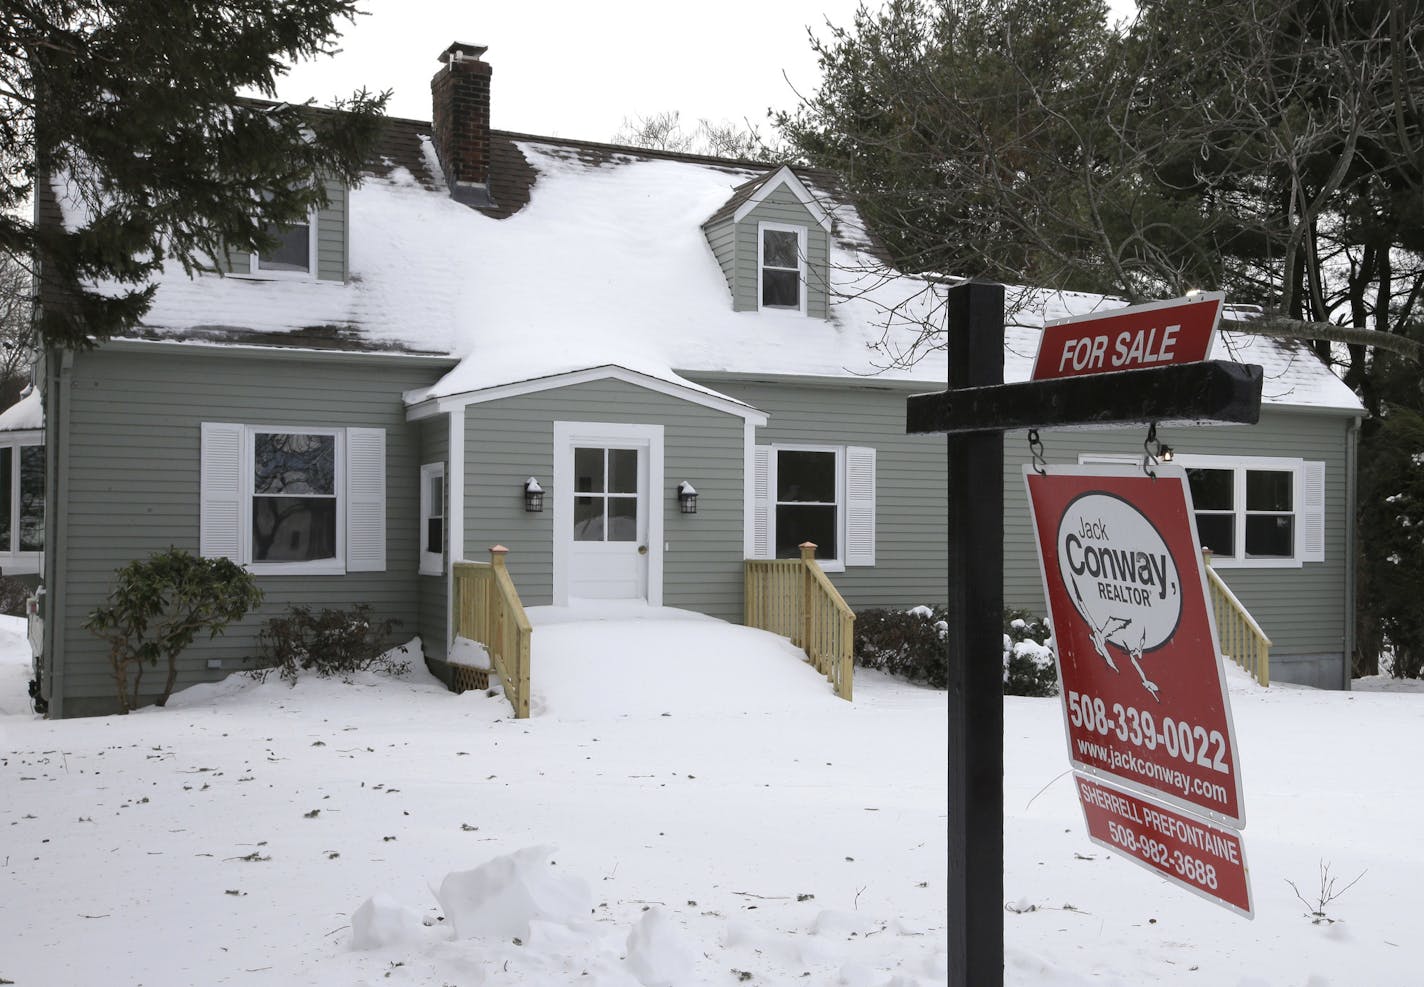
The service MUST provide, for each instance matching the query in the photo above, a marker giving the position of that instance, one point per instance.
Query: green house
(352, 415)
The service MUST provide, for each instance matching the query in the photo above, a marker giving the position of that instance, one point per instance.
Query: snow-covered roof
(597, 255)
(25, 414)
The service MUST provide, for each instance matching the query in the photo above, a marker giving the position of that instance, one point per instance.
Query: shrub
(159, 605)
(332, 642)
(13, 595)
(913, 644)
(1028, 660)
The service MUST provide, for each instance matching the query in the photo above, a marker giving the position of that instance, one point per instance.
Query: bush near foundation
(911, 644)
(332, 642)
(159, 605)
(1028, 656)
(914, 644)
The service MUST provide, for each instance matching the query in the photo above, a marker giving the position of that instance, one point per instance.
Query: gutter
(1352, 463)
(59, 371)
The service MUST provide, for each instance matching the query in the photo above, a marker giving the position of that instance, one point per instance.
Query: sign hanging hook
(1035, 446)
(1151, 451)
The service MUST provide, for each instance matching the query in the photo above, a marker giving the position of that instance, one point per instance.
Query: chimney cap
(460, 51)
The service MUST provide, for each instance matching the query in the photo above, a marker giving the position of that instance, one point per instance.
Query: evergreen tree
(130, 107)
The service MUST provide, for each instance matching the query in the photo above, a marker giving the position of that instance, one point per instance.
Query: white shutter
(761, 503)
(860, 506)
(365, 500)
(220, 491)
(1312, 513)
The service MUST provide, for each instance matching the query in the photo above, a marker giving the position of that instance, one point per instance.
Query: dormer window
(294, 255)
(782, 267)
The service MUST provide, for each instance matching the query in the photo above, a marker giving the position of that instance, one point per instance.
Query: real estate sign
(1151, 335)
(1145, 704)
(1144, 693)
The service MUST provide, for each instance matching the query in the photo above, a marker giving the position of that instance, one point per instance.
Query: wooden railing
(1240, 637)
(488, 611)
(793, 598)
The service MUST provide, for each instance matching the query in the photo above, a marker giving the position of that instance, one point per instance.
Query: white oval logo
(1120, 576)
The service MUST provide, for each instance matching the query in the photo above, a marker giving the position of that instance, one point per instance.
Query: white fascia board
(717, 402)
(22, 437)
(785, 176)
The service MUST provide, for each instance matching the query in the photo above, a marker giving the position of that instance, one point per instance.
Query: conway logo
(1121, 576)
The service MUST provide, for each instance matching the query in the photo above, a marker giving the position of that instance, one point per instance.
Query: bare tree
(16, 328)
(663, 131)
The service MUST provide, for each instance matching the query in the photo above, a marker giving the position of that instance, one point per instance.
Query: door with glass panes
(608, 539)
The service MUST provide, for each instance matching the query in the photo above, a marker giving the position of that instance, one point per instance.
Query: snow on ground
(687, 805)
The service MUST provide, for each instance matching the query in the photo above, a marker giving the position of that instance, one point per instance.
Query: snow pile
(469, 653)
(381, 921)
(658, 953)
(500, 898)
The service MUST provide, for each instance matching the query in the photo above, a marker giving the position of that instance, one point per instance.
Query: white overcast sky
(576, 69)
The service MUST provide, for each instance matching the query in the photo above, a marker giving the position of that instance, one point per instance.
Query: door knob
(642, 549)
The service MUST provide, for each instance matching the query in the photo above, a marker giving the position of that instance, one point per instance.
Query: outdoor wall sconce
(1167, 454)
(533, 496)
(687, 498)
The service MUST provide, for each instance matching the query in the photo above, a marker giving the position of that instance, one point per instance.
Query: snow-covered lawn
(713, 815)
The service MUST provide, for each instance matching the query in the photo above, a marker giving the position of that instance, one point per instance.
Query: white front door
(607, 517)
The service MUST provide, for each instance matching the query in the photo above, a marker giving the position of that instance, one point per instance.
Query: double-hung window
(294, 256)
(814, 493)
(781, 267)
(432, 519)
(293, 499)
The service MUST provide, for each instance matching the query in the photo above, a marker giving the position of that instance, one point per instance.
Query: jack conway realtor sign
(1144, 693)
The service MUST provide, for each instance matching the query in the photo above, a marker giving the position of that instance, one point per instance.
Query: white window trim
(1239, 466)
(800, 232)
(836, 564)
(12, 560)
(257, 273)
(433, 563)
(335, 566)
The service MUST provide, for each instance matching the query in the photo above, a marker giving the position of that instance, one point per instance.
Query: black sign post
(975, 412)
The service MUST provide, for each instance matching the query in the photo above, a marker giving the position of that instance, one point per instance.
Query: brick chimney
(460, 113)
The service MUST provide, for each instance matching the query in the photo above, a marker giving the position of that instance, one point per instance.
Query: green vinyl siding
(434, 599)
(511, 439)
(780, 206)
(1302, 609)
(910, 480)
(721, 237)
(132, 488)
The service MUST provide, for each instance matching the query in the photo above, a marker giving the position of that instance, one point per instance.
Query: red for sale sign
(1151, 335)
(1203, 858)
(1144, 694)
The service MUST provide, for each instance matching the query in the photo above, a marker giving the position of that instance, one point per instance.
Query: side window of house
(807, 502)
(1254, 511)
(294, 503)
(432, 519)
(22, 481)
(821, 494)
(782, 266)
(1245, 513)
(293, 500)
